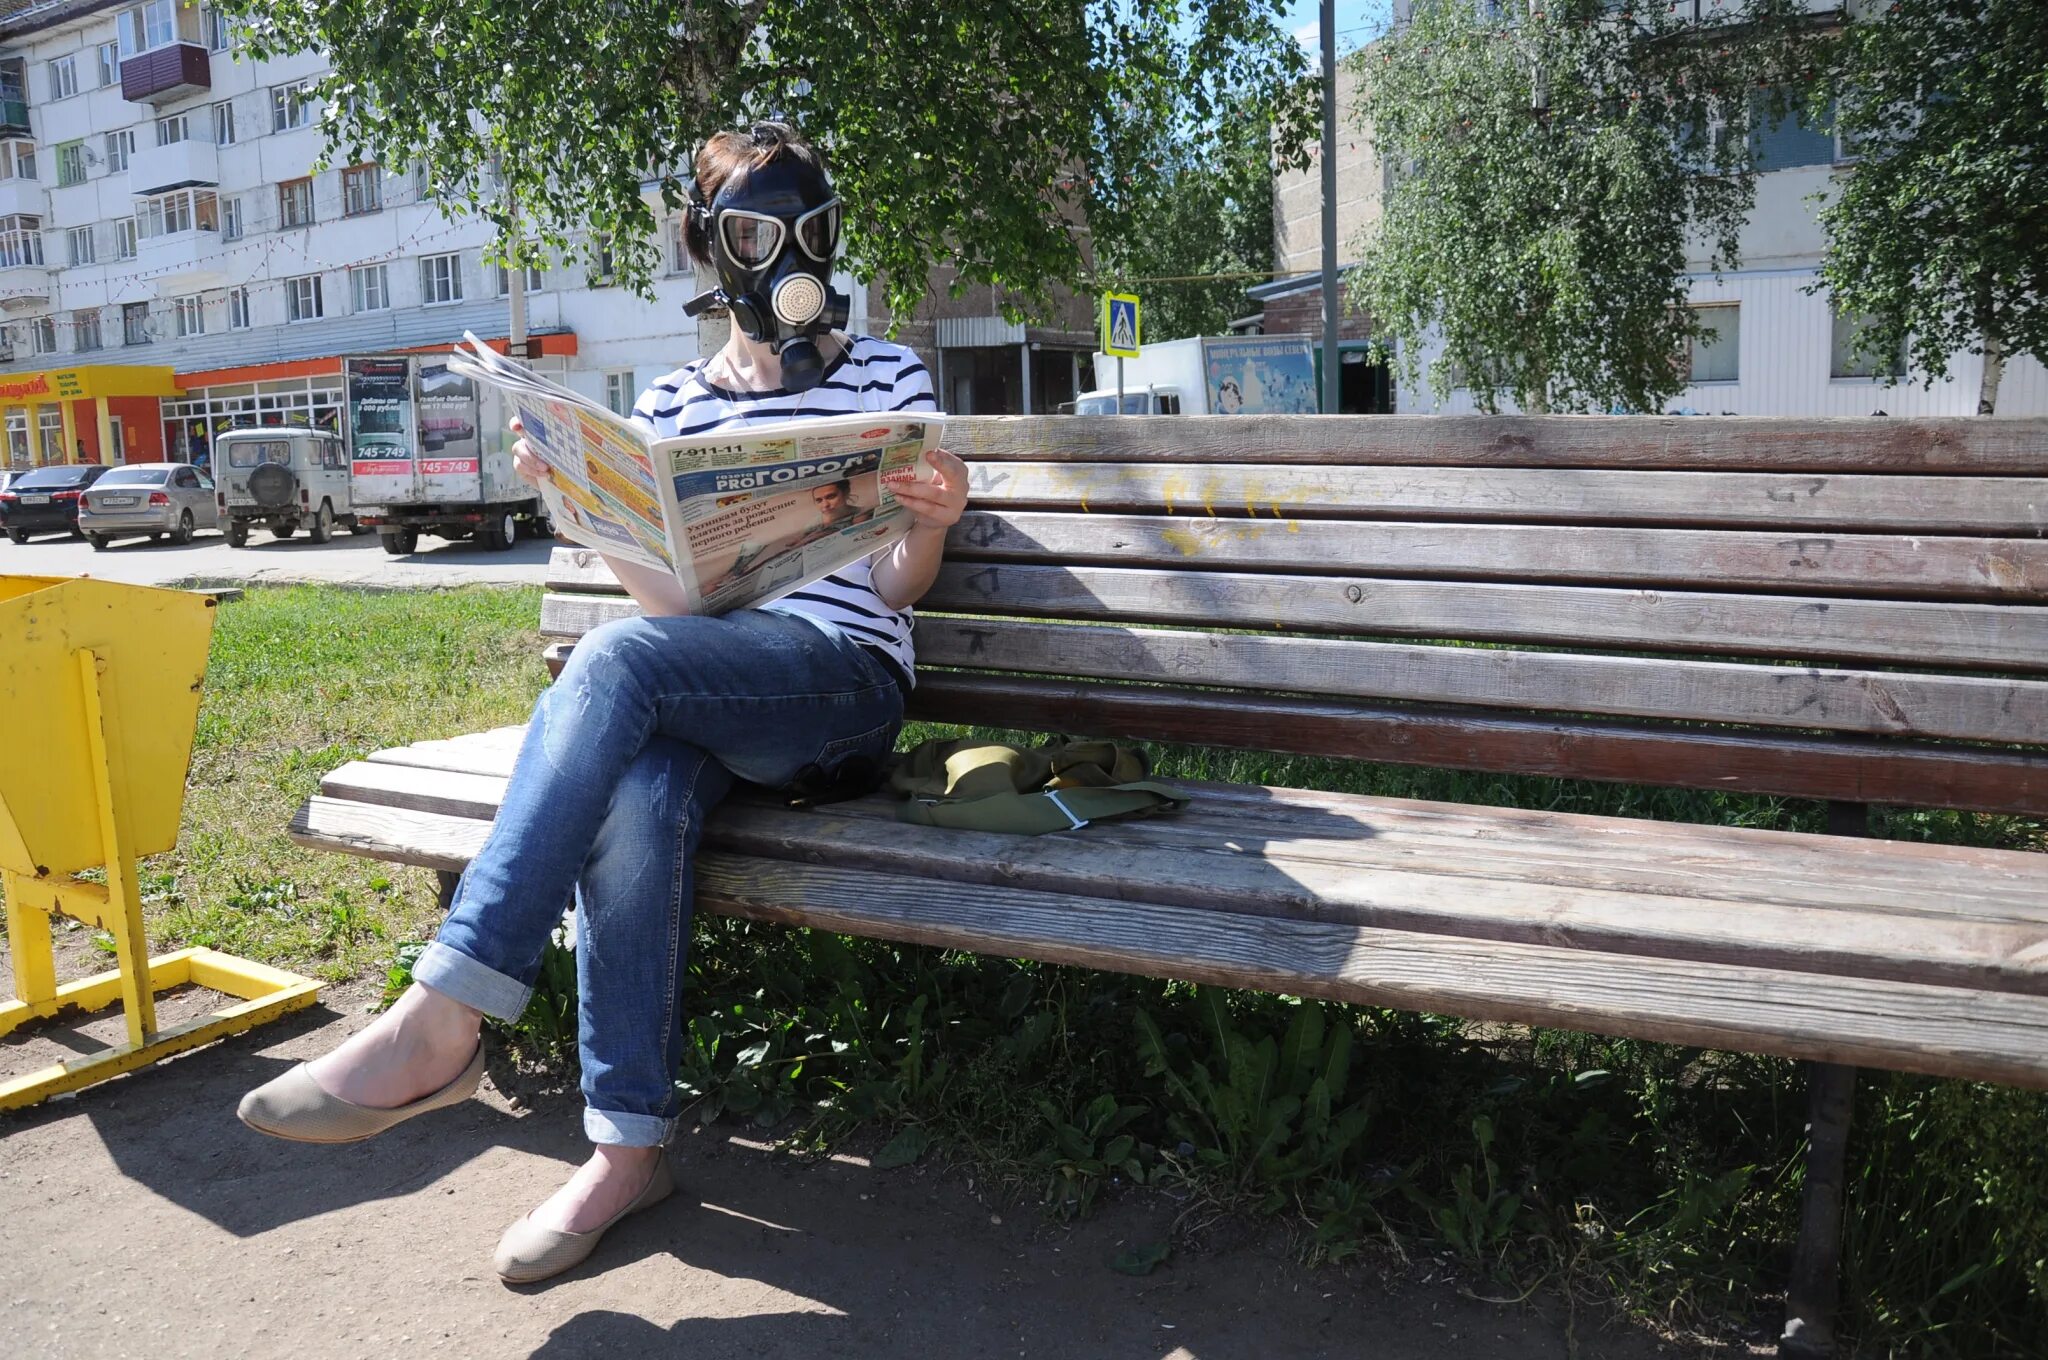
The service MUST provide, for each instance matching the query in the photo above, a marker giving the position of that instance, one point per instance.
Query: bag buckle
(1078, 822)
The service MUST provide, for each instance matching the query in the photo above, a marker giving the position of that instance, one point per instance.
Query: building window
(169, 214)
(1850, 356)
(80, 241)
(678, 252)
(1717, 358)
(135, 323)
(618, 392)
(370, 287)
(147, 28)
(214, 26)
(119, 147)
(291, 106)
(604, 267)
(21, 241)
(124, 238)
(231, 219)
(1794, 140)
(224, 123)
(440, 279)
(63, 77)
(43, 330)
(191, 316)
(17, 160)
(172, 130)
(505, 280)
(362, 190)
(238, 309)
(110, 63)
(422, 188)
(302, 298)
(70, 164)
(295, 203)
(85, 330)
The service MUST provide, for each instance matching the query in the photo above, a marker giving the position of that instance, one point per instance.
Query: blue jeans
(628, 752)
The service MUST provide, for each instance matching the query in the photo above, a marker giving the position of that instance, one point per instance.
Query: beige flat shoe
(528, 1252)
(293, 1106)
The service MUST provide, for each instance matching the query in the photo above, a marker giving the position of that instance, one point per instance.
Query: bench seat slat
(1846, 502)
(1240, 869)
(1941, 1030)
(1560, 849)
(1971, 708)
(1957, 445)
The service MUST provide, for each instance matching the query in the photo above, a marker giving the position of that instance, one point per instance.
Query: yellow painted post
(70, 432)
(105, 425)
(124, 897)
(35, 434)
(28, 940)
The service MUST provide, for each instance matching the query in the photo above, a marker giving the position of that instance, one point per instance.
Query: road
(349, 559)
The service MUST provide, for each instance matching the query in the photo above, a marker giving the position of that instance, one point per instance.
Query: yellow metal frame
(116, 907)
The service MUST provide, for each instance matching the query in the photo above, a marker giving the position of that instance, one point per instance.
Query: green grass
(1653, 1179)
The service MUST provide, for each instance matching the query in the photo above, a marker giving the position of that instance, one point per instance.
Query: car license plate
(117, 500)
(35, 500)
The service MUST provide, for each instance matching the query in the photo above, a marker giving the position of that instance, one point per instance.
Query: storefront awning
(90, 380)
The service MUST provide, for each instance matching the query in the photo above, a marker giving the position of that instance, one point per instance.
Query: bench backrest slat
(1879, 589)
(1957, 444)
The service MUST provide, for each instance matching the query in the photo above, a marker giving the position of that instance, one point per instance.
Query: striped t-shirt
(869, 375)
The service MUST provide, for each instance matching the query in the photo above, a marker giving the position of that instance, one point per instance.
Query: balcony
(21, 197)
(182, 261)
(13, 116)
(24, 287)
(157, 169)
(167, 73)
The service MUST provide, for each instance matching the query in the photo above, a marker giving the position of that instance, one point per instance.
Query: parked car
(282, 477)
(148, 500)
(44, 500)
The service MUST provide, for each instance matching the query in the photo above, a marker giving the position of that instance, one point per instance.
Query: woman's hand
(526, 459)
(938, 503)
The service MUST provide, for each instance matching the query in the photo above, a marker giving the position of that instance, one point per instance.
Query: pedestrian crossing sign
(1120, 325)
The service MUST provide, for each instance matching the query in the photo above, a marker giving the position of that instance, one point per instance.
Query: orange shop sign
(38, 386)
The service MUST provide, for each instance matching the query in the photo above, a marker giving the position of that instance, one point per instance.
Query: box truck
(417, 460)
(1209, 375)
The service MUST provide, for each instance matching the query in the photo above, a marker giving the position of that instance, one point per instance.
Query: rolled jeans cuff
(459, 977)
(626, 1130)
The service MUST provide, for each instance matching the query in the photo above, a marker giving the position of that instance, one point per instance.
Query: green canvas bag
(1059, 786)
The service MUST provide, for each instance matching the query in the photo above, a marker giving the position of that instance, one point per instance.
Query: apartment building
(172, 264)
(1777, 349)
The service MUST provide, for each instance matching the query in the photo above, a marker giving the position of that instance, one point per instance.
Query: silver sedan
(152, 499)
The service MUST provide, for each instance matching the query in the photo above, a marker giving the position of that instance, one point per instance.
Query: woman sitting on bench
(651, 722)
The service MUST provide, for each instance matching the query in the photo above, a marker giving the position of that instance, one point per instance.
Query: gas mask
(773, 232)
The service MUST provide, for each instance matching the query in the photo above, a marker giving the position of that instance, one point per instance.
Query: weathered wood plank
(1850, 1019)
(1852, 769)
(1976, 708)
(1566, 850)
(1840, 502)
(2012, 569)
(1909, 632)
(1951, 635)
(1965, 444)
(1945, 1031)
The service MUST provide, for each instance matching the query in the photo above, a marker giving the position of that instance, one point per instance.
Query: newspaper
(738, 516)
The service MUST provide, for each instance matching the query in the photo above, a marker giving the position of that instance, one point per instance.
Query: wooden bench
(1844, 610)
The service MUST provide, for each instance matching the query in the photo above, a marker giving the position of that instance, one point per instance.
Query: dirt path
(140, 1218)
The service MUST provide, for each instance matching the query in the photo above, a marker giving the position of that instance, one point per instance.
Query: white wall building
(172, 264)
(1778, 350)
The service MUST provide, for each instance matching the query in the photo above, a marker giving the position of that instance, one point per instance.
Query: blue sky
(1358, 22)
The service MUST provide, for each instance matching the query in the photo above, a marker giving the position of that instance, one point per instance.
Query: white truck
(418, 462)
(1209, 375)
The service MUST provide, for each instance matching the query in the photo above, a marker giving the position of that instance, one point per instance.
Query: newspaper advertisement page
(738, 517)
